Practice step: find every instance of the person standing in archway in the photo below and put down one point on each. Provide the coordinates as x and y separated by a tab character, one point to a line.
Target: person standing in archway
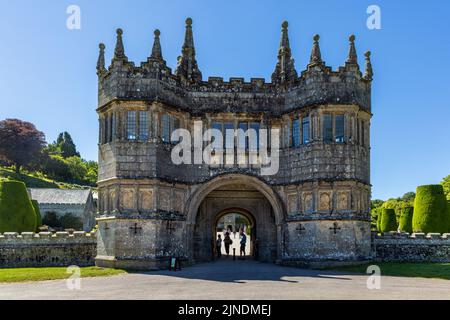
228	242
219	246
243	245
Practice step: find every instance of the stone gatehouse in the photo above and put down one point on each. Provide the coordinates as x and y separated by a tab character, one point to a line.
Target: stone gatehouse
315	209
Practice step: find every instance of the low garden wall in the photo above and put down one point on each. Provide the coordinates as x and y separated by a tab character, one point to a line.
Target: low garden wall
416	247
46	249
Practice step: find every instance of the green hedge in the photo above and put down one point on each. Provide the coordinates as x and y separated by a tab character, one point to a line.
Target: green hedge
405	219
38	214
380	214
16	210
388	220
430	210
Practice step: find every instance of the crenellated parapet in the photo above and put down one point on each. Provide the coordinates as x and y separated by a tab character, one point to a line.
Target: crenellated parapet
186	89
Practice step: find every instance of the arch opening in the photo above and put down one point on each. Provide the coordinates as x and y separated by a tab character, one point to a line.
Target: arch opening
244	195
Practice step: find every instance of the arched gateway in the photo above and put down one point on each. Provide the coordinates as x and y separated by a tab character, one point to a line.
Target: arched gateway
312	208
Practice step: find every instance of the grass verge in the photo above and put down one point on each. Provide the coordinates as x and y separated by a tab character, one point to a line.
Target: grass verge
414	270
43	274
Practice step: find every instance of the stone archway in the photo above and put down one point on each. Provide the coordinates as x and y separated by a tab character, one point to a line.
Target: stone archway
248	193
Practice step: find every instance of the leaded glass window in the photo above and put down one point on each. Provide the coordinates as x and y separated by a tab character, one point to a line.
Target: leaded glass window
131	125
305	130
143	125
327	128
254	145
296	133
339	128
217	144
165	128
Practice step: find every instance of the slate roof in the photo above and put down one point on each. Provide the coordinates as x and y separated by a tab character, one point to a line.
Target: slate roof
60	196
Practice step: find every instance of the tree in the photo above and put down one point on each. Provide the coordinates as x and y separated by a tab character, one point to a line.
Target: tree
409	197
446	185
20	142
64	146
388	220
430	210
16	210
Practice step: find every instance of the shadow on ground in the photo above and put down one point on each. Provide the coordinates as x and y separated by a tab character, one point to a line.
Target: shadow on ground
243	271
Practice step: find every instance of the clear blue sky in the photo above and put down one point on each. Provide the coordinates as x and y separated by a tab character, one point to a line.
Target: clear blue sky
48	72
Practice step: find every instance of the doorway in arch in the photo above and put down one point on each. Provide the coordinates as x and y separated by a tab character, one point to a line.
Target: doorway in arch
251	210
236	230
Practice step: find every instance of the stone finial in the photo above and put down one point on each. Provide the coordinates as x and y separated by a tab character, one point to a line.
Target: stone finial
101	59
368	74
285	68
352	55
119	51
156	50
316	56
187	68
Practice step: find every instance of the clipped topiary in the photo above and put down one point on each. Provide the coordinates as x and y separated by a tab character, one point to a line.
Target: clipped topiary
405	221
430	210
38	214
379	219
16	210
388	220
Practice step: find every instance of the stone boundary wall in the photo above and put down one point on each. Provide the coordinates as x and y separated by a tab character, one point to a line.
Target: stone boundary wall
46	249
416	247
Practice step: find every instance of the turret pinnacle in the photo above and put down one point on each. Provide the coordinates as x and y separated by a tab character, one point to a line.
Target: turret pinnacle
316	57
352	56
156	50
101	59
119	51
285	68
187	68
368	74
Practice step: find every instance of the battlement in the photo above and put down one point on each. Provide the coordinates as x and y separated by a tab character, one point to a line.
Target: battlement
416	247
185	88
46	249
77	236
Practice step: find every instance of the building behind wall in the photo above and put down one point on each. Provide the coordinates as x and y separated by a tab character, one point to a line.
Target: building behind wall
315	209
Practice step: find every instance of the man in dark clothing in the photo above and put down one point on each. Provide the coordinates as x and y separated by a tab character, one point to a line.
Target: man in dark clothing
243	244
219	246
228	242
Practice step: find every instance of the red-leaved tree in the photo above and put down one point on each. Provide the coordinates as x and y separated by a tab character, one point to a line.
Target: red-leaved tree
20	142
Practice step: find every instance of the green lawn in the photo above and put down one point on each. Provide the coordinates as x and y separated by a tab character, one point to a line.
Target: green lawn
416	270
42	274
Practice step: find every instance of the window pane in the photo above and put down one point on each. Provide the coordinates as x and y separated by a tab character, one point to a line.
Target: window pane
229	139
296	133
254	145
305	128
176	126
131	125
340	128
114	124
216	144
165	128
242	137
143	125
327	128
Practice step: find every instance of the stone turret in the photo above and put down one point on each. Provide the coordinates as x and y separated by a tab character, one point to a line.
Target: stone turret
352	55
187	68
119	51
368	75
101	60
285	72
316	56
156	50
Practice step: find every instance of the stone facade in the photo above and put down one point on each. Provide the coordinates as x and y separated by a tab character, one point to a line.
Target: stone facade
417	247
47	250
315	209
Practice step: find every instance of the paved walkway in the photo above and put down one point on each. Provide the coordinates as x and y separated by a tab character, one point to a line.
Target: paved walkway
239	280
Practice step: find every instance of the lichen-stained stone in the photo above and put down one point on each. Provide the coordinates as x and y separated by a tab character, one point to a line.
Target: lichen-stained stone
152	209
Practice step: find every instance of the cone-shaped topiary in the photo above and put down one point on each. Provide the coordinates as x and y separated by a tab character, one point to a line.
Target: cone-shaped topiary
16	210
38	214
388	220
430	210
405	221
